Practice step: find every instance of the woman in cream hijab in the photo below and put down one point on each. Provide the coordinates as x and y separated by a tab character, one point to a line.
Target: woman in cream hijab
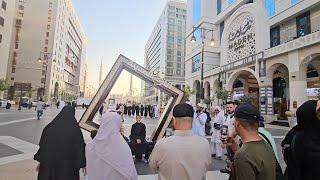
108	155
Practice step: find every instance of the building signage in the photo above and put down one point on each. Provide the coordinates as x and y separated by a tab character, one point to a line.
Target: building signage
241	38
196	63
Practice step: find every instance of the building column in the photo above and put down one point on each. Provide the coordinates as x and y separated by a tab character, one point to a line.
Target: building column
297	82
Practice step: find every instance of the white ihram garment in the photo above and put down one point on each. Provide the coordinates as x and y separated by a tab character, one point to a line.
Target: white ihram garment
216	135
108	155
198	124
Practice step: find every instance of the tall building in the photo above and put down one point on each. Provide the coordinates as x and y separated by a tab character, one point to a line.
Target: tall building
267	47
100	73
48	49
165	49
6	24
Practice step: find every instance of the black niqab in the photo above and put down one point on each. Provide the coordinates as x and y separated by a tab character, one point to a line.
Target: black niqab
62	148
308	140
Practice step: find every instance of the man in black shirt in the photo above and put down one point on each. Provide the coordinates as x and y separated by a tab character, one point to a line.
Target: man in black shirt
138	138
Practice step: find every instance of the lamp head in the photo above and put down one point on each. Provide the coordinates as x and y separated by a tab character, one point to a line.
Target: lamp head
193	39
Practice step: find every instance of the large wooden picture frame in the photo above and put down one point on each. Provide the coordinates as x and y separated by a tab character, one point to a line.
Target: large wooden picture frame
123	63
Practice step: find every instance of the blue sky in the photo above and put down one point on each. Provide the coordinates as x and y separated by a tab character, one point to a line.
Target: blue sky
116	26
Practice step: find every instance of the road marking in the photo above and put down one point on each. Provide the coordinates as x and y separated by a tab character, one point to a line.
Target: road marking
17	121
27	148
278	137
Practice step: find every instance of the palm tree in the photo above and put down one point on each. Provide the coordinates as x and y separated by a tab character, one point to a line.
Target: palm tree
187	92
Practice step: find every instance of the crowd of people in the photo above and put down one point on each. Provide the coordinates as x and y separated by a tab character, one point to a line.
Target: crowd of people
151	111
239	131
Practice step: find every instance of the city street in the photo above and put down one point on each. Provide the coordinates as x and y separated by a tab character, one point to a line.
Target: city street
20	133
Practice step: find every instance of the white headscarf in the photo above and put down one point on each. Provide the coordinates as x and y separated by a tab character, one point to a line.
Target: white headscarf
110	147
220	116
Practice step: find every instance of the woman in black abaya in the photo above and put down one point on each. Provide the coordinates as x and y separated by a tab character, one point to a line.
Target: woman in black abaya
62	148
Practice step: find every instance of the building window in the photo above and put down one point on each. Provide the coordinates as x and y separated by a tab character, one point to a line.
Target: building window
47	34
20	14
13	70
270	7
275	36
12	78
4	5
49	19
0	38
219	7
21	7
48	26
46	42
1	21
230	1
303	24
16	46
45	49
294	1
196	11
221	29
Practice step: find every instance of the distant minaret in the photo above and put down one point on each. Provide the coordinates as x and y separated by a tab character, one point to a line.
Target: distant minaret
130	89
100	73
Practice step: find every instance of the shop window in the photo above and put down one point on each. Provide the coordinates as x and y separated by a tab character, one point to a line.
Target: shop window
275	36
303	24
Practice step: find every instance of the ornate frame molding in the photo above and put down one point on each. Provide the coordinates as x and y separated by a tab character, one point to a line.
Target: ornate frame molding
123	63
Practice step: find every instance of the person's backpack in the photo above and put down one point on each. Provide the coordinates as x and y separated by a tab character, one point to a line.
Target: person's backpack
279	173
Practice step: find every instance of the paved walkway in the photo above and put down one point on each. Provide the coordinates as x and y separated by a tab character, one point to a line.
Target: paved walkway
26	170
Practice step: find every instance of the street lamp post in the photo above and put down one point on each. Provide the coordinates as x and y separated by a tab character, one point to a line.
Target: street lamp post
45	59
204	31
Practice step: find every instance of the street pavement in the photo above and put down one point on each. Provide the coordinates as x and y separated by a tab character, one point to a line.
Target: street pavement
20	133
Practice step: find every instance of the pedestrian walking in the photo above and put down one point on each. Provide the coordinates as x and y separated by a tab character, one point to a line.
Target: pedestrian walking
199	120
58	104
108	155
301	145
39	108
184	155
255	160
218	118
62	148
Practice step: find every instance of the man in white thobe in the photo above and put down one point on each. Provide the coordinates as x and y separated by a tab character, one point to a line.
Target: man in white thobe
184	155
199	120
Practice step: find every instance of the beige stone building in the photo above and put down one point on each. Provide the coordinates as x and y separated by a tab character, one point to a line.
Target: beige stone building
165	49
48	49
6	19
267	47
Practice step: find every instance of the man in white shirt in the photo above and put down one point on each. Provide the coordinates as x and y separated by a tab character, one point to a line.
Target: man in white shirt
39	108
229	121
184	155
199	120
